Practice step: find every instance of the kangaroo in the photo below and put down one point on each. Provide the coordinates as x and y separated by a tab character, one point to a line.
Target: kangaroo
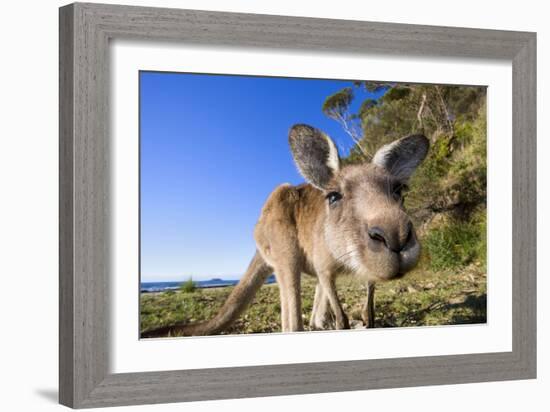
346	219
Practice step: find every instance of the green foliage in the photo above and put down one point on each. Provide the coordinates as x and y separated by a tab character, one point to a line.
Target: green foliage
374	87
396	93
466	180
457	243
188	286
366	105
337	104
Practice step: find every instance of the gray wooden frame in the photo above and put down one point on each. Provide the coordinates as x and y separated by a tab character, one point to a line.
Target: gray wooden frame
85	31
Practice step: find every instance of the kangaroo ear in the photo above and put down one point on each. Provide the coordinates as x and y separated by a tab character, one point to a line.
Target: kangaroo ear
314	153
402	157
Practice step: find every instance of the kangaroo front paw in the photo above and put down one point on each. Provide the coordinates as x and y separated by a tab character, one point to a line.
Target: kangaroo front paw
343	322
346	322
322	321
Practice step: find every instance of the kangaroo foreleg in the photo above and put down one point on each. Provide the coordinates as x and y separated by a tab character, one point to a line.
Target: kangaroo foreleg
321	315
329	289
367	312
281	281
291	299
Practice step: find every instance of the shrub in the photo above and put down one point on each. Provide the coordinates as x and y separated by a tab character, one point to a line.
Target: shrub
188	286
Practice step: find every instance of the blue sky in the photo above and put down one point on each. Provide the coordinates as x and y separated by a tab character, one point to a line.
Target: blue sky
212	149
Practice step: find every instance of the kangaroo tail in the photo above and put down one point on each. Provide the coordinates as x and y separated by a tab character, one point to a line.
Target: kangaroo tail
239	299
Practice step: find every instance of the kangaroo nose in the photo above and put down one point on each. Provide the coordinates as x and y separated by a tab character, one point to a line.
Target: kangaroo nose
392	241
376	233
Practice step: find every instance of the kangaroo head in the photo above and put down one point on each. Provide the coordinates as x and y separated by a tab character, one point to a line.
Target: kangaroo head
365	226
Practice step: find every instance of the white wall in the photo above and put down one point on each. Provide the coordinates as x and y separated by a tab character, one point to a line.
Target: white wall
28	211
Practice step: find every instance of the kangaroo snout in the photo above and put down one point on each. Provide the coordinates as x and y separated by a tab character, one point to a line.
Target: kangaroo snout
391	248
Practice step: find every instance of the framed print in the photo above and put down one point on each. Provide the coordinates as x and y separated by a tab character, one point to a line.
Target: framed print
257	205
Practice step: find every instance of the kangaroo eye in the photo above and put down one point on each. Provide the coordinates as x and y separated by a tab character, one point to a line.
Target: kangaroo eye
333	197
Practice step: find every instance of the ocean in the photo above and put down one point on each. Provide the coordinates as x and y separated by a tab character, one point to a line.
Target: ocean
211	283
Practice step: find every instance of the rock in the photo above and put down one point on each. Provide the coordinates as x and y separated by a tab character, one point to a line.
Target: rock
354	324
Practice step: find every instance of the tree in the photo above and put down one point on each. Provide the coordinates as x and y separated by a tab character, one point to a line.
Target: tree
336	107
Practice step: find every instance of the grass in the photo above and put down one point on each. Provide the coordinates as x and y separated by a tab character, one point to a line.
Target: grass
423	298
454	243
